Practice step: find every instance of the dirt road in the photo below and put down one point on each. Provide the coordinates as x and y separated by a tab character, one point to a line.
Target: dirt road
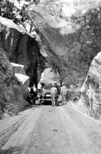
50	130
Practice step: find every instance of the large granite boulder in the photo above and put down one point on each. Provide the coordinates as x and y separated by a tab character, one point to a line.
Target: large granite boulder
70	45
21	48
16	46
91	89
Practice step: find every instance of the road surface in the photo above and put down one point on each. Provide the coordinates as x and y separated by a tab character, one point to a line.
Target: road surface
50	130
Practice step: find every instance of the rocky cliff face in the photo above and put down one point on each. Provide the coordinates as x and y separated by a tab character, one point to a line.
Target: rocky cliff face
22	49
6	91
91	89
69	43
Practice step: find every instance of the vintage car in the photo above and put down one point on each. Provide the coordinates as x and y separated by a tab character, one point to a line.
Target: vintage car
44	97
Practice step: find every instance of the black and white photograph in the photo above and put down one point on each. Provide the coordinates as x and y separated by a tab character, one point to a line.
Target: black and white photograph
50	76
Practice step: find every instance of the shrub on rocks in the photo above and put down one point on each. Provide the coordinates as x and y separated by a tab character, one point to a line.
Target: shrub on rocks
12	109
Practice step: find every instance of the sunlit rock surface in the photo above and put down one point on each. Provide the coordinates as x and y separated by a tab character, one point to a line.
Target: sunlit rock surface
23	82
91	88
68	48
95	68
49	76
18	68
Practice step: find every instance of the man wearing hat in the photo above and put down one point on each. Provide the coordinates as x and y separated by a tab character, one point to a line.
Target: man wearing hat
53	92
63	93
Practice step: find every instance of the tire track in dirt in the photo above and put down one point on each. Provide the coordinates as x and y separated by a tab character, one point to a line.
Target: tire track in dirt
10	125
77	135
7	122
50	130
49	135
6	133
18	139
92	128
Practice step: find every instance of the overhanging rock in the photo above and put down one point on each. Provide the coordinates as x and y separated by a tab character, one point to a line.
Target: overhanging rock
65	50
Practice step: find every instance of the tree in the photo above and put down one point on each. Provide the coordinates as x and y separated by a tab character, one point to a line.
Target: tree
90	27
16	11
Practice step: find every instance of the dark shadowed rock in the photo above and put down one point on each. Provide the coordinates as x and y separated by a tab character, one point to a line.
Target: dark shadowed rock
11	93
6	75
23	49
19	48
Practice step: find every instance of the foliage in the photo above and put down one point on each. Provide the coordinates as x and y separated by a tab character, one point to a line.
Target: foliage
90	30
16	12
10	11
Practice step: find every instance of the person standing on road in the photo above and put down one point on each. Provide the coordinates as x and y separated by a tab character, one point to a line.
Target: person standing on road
53	92
63	93
34	88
